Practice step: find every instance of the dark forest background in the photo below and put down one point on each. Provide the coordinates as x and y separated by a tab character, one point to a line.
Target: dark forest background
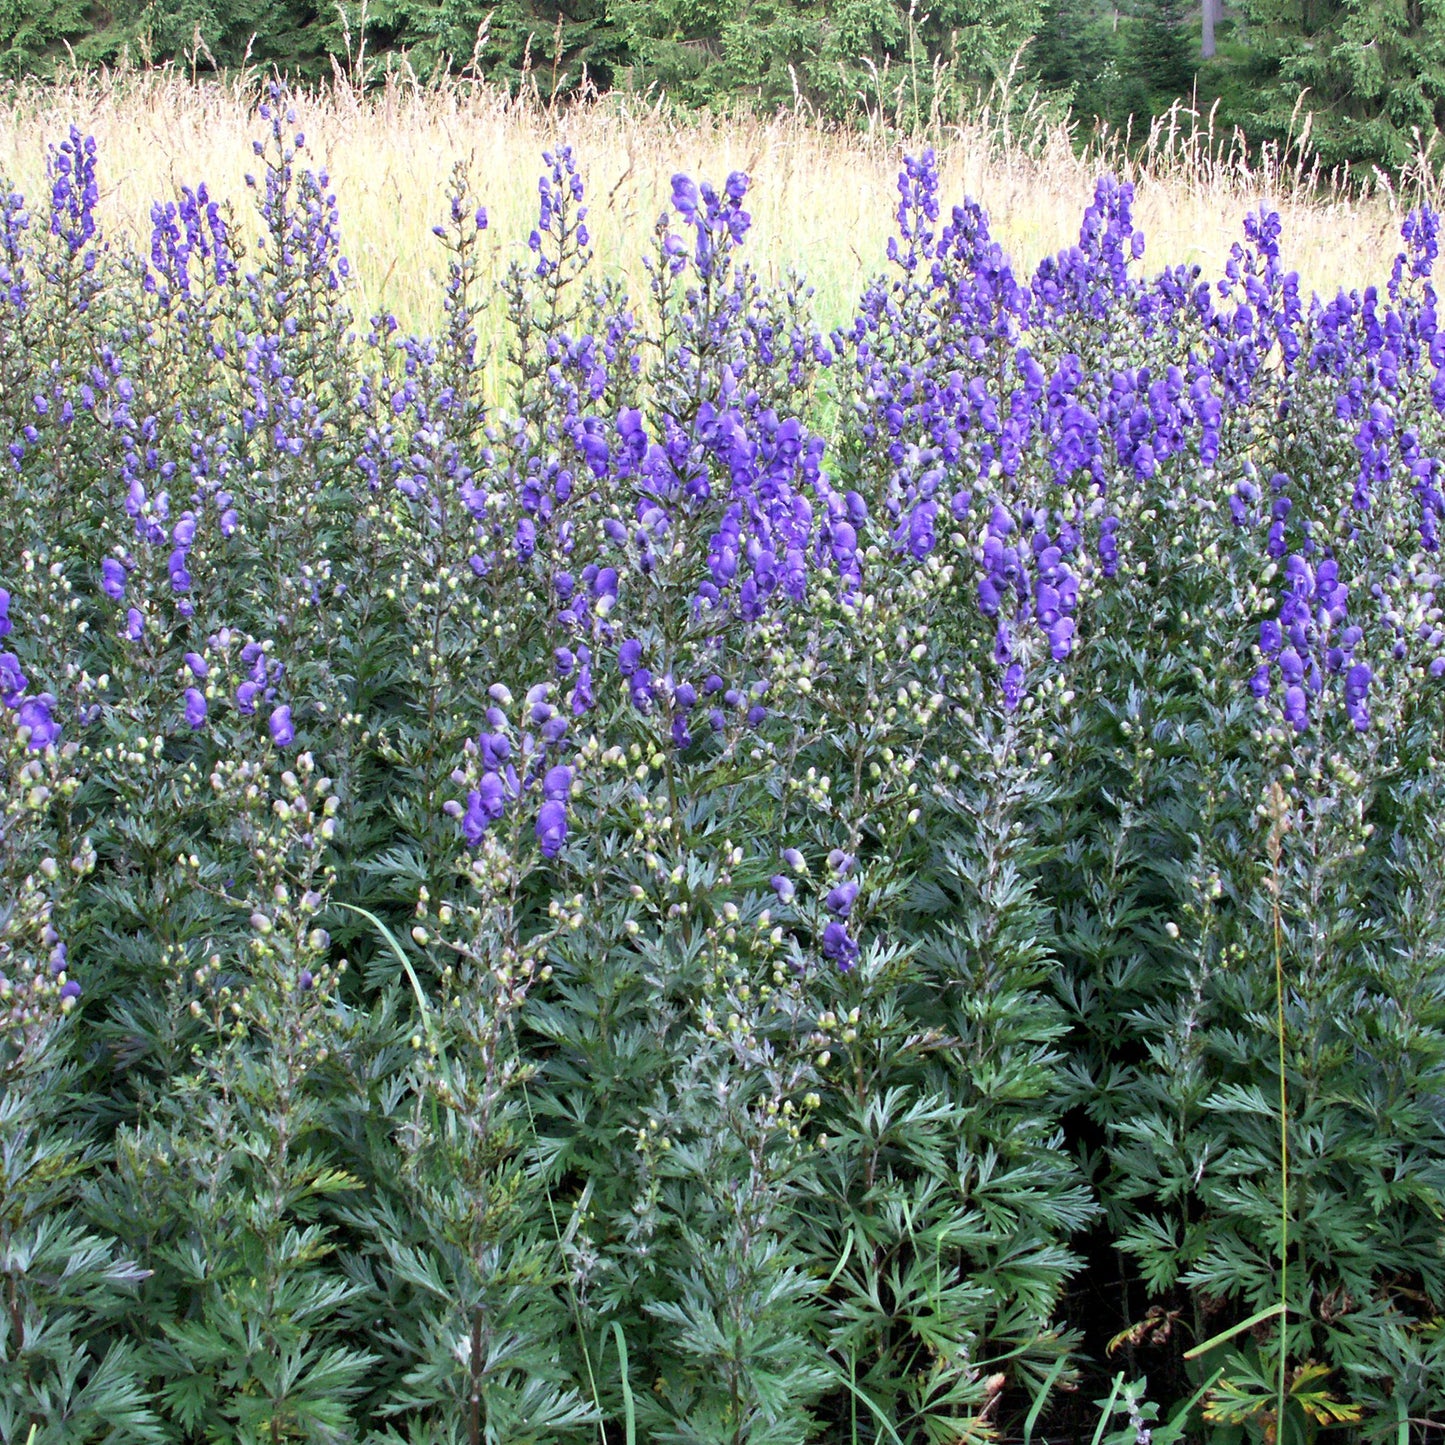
1373	71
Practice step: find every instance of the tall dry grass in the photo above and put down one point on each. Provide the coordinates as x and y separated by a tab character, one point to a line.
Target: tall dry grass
822	200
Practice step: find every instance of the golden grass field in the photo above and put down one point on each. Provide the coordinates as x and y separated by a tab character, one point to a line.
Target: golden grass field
822	200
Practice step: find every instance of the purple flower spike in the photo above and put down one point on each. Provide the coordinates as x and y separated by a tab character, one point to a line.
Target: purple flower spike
557	785
195	707
283	734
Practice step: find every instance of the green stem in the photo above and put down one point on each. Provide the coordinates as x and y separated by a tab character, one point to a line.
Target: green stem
1276	840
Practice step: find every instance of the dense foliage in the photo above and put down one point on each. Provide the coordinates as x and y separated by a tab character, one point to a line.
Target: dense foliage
1372	71
772	888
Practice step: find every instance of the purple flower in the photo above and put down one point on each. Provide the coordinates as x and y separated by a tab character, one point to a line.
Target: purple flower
12	681
784	887
684	196
1296	707
198	666
1061	637
557	785
246	696
135	625
839	945
629	657
840	901
552	827
4	613
69	990
492	796
34	713
1013	686
283	734
795	860
112	579
495	749
1357	688
195	707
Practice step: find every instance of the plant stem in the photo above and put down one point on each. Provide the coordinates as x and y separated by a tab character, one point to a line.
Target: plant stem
1276	836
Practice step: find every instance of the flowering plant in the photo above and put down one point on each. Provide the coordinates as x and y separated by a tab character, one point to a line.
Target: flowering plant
768	885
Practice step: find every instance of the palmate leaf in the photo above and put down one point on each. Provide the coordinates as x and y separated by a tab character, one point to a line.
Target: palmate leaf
1244	1395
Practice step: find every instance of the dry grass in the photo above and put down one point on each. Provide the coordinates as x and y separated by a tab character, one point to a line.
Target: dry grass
822	200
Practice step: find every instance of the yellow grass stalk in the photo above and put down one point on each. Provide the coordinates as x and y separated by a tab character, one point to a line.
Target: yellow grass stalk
822	200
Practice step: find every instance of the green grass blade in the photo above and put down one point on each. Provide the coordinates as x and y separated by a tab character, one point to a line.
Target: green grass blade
1174	1430
1037	1409
1108	1408
396	948
1229	1334
629	1411
878	1414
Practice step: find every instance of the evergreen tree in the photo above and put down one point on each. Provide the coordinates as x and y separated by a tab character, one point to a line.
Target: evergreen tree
1161	55
1374	71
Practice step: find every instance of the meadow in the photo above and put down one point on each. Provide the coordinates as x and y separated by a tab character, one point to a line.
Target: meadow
596	844
821	203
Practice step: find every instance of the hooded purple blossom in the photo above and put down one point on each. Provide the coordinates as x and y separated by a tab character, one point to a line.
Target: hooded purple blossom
195	707
552	827
283	733
839	945
112	579
35	713
13	681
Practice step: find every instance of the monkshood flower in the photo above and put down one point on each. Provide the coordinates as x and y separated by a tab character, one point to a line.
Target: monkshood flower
1089	279
718	221
112	579
561	218
36	714
283	732
917	210
552	827
195	707
12	680
192	228
5	624
74	195
486	804
1310	641
840	946
14	222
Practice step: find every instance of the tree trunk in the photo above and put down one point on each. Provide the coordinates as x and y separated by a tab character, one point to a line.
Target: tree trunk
1206	48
